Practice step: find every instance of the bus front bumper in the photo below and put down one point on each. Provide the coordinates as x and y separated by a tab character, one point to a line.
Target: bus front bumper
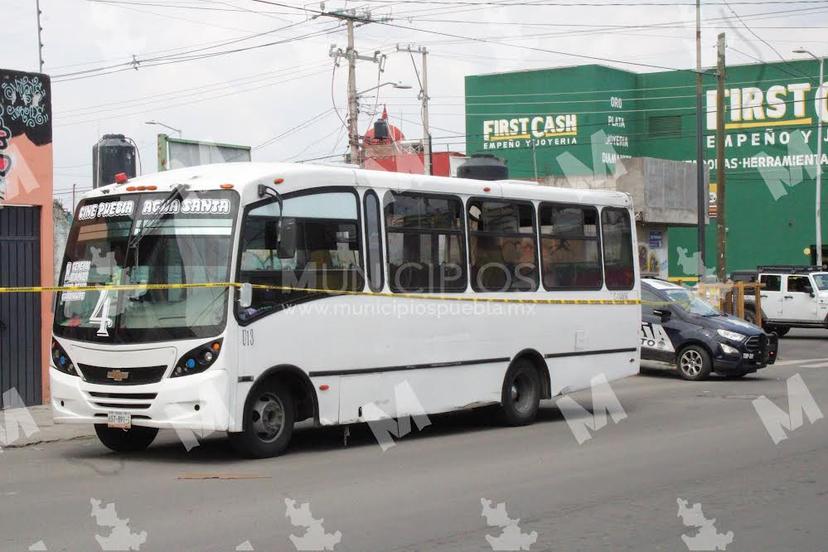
196	402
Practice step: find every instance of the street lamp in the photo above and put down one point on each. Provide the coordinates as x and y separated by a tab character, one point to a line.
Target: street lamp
397	85
821	108
165	126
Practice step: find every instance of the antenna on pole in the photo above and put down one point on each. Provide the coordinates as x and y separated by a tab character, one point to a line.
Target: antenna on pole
39	36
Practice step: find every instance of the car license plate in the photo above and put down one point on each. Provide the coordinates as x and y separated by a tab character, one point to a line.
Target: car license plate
119	420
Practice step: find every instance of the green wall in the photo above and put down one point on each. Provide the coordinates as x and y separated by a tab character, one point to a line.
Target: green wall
770	212
582	92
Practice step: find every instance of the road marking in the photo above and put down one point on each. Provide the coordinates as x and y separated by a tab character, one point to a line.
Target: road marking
820	365
800	361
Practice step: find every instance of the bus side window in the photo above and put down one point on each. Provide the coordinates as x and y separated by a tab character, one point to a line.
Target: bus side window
373	238
426	242
570	248
318	249
502	246
619	269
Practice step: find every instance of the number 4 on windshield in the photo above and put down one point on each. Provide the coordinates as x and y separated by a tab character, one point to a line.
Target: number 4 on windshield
100	314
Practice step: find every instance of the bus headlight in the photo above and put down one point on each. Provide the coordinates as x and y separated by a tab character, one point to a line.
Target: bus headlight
62	361
198	359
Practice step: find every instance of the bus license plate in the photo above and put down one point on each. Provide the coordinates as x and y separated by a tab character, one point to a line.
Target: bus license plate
119	420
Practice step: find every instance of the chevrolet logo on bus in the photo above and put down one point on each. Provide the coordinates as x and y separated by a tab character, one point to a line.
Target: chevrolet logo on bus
117	375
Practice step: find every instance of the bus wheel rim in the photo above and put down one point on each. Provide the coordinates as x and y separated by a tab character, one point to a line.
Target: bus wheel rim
691	363
520	393
268	417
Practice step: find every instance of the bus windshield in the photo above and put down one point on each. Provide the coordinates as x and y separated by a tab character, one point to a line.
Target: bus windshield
141	239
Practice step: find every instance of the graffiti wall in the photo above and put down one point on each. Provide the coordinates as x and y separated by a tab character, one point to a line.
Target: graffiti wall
26	184
25	138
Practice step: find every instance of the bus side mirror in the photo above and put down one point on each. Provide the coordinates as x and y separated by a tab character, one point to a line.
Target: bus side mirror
287	238
245	295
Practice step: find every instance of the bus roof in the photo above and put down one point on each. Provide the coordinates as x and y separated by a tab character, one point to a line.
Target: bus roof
245	178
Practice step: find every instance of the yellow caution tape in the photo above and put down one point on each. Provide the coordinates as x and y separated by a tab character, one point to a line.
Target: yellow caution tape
146	287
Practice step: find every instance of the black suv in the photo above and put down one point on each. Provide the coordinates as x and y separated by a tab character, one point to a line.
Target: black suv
696	339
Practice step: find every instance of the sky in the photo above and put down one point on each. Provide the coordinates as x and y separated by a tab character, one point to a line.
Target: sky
258	73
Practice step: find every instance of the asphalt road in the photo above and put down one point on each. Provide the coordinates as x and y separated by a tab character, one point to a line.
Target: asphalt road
700	442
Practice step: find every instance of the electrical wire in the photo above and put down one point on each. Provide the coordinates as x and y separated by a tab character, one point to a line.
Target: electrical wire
304	124
186	56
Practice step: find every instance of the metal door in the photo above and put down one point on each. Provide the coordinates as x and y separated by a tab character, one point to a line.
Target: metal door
20	353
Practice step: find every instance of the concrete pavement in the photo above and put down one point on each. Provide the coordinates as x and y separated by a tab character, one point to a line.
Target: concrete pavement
701	442
47	431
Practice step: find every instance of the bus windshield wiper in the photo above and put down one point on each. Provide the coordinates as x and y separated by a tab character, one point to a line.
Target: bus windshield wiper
150	224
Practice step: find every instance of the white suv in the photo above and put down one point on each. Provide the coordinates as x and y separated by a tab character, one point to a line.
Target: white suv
793	297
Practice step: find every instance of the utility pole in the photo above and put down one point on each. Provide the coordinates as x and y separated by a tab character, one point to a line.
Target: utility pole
701	192
353	107
534	161
39	36
721	226
818	213
73	196
350	53
427	165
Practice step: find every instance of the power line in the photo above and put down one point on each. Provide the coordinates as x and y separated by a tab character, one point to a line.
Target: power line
613	4
185	56
300	126
191	102
751	31
182	93
488	41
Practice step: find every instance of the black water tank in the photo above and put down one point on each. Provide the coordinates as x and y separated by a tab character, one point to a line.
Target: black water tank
112	154
381	130
483	166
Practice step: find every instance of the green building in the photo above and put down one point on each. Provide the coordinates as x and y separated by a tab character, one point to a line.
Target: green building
576	122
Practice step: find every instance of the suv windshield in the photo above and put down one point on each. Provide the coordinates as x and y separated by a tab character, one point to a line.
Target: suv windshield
188	243
687	301
821	281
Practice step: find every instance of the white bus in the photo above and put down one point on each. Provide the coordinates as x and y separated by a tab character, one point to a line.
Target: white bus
254	296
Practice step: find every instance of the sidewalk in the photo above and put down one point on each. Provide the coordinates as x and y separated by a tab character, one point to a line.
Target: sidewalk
24	434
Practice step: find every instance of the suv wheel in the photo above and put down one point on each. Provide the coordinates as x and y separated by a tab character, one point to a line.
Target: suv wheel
781	330
694	363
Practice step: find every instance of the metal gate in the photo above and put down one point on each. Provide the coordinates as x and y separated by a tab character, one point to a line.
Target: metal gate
20	352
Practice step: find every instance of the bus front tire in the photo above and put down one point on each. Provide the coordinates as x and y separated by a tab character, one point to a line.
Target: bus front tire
134	439
269	415
521	394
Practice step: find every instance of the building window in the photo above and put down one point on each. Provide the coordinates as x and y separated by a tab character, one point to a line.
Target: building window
502	246
570	252
373	238
664	126
619	269
425	242
315	246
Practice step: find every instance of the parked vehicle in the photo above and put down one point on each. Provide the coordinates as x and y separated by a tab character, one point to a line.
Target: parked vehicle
691	336
793	297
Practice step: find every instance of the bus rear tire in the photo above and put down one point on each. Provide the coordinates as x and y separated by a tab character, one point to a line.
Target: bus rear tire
269	415
134	439
521	394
